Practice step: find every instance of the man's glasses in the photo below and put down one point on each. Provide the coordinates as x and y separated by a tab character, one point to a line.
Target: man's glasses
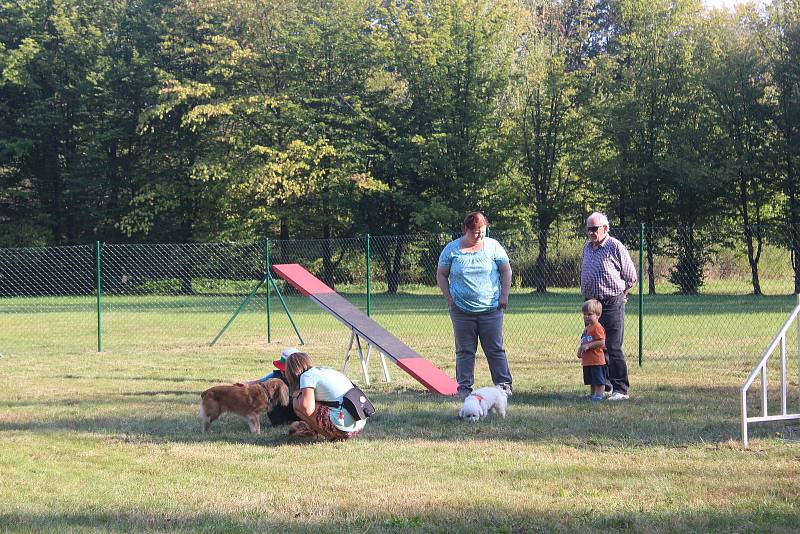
593	228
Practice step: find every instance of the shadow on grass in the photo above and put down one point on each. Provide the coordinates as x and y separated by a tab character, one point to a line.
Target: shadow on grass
465	520
144	378
663	415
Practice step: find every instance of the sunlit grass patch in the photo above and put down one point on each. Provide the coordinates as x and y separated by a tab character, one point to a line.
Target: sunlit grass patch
111	441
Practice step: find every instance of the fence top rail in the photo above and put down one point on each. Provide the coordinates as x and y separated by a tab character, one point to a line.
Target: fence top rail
772	346
85	246
441	235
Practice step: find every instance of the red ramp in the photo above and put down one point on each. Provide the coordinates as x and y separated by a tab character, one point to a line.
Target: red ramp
406	359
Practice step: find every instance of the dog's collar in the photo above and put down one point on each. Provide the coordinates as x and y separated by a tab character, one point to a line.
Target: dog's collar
476	396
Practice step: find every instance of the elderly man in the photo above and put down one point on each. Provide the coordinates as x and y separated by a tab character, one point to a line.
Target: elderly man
606	275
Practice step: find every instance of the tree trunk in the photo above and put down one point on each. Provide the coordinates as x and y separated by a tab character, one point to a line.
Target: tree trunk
650	241
651	277
393	277
752	257
185	255
540	268
327	259
794	218
185	268
113	208
49	185
187	273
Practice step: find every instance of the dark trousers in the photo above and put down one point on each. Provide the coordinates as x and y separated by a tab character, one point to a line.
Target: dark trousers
613	321
468	328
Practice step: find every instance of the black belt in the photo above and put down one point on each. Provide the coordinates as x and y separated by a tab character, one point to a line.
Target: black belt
330	404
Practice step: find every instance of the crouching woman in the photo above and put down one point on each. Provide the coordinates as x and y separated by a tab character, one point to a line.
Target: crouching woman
317	394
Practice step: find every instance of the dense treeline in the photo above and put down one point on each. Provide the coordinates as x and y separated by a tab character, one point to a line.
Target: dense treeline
198	120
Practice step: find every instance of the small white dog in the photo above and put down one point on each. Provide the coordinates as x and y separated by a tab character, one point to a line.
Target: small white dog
482	401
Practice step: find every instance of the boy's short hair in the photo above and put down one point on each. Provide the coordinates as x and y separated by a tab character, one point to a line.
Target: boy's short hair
593	306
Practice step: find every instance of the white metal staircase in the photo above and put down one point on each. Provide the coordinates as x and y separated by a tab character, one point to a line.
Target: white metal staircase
761	368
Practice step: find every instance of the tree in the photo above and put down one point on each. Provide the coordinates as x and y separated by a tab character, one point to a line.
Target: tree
549	101
647	72
781	35
734	75
437	134
61	107
264	102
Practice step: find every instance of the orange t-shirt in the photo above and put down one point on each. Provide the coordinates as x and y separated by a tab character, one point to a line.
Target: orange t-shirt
593	356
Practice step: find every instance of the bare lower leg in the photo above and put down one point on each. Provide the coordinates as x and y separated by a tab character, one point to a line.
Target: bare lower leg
598	389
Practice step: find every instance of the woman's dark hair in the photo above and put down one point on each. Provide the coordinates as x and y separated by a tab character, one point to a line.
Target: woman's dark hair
474	220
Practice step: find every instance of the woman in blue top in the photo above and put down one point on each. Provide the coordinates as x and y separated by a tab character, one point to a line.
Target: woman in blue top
474	275
310	389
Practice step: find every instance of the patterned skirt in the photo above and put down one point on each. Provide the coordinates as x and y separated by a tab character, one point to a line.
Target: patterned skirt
322	418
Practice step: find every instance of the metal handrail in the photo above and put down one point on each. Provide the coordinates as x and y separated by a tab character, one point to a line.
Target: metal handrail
761	368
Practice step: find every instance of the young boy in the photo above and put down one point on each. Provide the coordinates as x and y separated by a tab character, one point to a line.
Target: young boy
279	414
280	368
590	352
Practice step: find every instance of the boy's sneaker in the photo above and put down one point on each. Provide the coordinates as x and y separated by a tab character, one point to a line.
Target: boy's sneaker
596	398
617	396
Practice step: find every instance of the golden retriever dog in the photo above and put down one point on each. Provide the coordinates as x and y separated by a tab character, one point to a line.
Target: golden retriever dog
247	401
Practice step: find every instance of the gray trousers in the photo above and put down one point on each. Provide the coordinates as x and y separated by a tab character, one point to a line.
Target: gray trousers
468	328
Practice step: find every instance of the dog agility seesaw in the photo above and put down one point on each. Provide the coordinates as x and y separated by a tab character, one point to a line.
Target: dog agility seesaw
362	327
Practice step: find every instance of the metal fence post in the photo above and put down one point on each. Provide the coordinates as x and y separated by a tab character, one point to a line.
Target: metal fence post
266	271
99	291
641	292
369	281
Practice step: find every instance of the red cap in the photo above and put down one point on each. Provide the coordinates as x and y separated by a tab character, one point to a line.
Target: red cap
281	362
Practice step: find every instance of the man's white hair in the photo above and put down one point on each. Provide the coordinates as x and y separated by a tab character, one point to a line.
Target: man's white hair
601	217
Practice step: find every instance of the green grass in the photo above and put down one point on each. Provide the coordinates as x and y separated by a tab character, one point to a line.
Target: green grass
111	442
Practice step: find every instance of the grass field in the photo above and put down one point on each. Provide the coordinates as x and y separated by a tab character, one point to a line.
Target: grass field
111	442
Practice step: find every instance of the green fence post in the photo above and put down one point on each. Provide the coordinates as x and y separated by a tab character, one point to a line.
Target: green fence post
369	282
269	324
239	309
285	308
99	291
641	292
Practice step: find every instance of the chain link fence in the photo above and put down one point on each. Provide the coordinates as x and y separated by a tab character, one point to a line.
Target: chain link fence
708	303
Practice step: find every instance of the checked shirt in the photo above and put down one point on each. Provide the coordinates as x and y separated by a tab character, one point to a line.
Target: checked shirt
607	271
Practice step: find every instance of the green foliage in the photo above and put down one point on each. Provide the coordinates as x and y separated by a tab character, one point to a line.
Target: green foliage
214	119
547	115
452	61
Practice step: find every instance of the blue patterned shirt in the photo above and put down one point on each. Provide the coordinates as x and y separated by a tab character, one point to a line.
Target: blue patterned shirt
474	276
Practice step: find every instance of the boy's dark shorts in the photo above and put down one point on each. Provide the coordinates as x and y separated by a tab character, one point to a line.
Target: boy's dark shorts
595	374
